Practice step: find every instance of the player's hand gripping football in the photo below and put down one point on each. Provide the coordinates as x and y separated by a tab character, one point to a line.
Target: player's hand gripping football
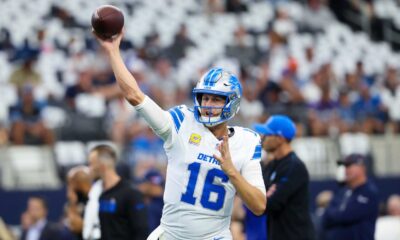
112	44
225	159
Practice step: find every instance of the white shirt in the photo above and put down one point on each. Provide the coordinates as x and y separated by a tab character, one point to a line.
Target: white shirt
91	221
35	230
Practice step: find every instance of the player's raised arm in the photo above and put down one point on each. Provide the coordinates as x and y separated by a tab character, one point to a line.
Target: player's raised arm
156	117
125	80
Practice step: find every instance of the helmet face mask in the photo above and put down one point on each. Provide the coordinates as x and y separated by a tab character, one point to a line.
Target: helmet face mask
221	83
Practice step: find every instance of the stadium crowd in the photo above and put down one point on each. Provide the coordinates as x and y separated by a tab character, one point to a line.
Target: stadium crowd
292	57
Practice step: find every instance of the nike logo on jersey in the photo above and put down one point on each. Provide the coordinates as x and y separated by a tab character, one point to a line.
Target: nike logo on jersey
218	238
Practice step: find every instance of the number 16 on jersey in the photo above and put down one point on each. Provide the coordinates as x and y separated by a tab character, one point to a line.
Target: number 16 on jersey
209	187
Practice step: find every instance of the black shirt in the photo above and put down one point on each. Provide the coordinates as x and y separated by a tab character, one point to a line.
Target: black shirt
287	210
122	213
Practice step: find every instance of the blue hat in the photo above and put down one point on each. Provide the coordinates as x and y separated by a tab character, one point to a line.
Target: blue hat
153	176
277	125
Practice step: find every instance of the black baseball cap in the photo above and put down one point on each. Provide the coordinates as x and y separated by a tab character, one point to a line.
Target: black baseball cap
354	158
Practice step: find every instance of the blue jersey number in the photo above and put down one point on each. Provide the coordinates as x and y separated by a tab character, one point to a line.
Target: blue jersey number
209	187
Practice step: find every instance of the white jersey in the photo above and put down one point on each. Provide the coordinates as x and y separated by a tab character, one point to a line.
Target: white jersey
91	221
198	198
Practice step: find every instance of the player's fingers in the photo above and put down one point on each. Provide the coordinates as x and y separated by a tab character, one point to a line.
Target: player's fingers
95	35
120	35
225	145
219	159
225	142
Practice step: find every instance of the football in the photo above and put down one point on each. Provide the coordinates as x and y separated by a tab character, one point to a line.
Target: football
107	21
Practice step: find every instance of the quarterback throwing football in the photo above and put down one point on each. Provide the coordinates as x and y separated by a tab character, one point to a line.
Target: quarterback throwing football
208	161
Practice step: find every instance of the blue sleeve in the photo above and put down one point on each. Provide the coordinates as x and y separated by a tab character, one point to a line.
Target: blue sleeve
178	116
257	153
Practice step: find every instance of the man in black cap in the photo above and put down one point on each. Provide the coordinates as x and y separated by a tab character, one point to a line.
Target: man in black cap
286	180
353	210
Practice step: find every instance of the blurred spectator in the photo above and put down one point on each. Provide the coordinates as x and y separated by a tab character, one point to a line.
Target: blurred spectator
120	206
120	117
152	187
26	221
317	16
364	78
322	202
388	227
4	138
369	113
35	222
393	205
277	50
104	83
27	124
5	234
145	149
163	83
83	85
65	17
322	115
5	41
87	116
235	6
390	95
251	108
270	96
286	180
312	90
345	117
180	45
25	74
242	47
353	210
79	183
214	6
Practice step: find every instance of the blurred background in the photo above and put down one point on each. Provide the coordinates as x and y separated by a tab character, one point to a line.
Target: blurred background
332	66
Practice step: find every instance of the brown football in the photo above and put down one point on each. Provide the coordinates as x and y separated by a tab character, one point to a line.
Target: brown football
107	21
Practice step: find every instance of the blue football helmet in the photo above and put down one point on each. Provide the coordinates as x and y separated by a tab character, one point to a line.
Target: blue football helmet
222	83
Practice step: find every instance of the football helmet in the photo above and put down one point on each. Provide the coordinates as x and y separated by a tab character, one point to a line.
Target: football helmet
217	81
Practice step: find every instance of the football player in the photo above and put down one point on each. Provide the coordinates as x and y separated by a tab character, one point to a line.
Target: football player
208	161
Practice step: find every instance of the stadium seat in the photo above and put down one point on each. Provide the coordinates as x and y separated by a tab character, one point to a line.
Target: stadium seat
354	143
386	151
318	154
9	97
70	153
90	105
28	168
53	117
